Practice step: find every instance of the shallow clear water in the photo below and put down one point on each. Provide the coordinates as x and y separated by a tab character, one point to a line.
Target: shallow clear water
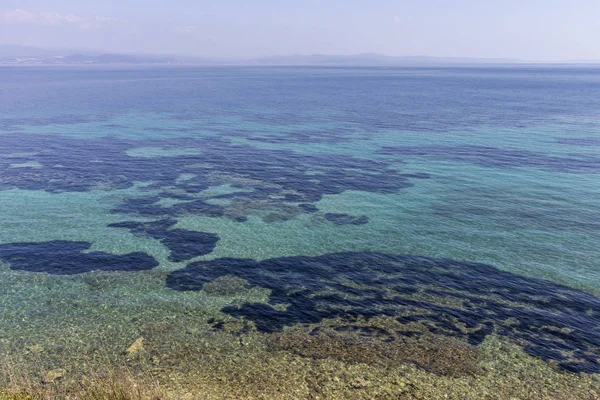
161	180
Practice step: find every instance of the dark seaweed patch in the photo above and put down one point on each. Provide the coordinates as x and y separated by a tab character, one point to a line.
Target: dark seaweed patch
63	257
147	207
309	208
499	158
345	219
196	207
275	177
184	245
141	206
456	299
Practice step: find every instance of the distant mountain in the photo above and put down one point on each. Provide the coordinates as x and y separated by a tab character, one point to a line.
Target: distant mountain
115	59
12	54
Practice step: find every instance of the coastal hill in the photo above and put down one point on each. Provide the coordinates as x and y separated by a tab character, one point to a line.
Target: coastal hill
17	55
24	55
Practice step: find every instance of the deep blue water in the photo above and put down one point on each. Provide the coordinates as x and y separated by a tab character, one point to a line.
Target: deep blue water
320	185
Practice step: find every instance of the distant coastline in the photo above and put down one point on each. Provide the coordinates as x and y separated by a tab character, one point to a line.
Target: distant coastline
22	55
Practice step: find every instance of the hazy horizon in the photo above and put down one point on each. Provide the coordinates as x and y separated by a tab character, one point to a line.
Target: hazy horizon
550	30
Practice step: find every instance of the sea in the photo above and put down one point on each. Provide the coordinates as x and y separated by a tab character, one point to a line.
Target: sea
211	206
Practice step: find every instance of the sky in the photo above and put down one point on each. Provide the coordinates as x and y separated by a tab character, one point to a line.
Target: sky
537	30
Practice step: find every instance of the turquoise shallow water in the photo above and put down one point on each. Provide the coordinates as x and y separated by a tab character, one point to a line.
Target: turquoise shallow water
156	169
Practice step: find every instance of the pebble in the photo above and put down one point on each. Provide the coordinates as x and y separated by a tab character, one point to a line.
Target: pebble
360	383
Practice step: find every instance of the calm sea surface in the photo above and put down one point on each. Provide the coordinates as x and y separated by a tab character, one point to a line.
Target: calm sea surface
466	200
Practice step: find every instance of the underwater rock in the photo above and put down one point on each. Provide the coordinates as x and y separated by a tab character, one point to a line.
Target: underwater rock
360	383
63	257
456	299
345	219
184	245
54	375
136	346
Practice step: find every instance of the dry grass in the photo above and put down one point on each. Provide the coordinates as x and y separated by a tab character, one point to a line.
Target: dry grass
109	384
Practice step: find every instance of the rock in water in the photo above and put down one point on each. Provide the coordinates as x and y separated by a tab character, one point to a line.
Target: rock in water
54	375
136	346
360	383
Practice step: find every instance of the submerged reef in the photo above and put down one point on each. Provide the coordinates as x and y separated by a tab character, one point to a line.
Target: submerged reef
148	207
63	257
184	245
457	299
383	343
345	219
272	178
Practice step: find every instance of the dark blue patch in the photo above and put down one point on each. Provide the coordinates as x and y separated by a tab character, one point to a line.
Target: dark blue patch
141	206
309	208
555	321
345	219
62	257
417	175
184	245
196	207
275	177
499	158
